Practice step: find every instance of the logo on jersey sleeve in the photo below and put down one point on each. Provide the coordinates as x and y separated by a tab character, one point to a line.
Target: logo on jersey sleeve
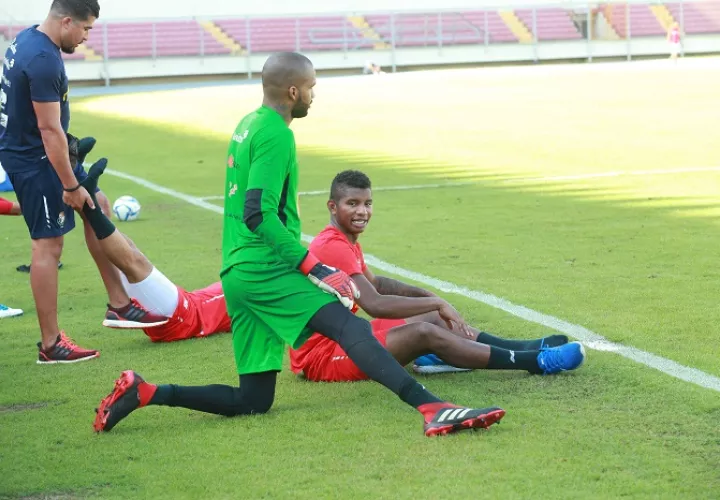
239	138
231	161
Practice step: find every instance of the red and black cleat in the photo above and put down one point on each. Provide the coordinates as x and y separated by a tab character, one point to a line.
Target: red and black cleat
130	393
445	418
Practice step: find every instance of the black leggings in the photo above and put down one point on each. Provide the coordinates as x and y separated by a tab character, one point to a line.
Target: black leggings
257	391
255	395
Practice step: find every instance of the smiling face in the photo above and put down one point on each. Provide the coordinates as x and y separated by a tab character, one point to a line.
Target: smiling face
352	210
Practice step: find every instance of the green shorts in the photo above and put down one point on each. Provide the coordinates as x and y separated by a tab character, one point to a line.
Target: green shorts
270	307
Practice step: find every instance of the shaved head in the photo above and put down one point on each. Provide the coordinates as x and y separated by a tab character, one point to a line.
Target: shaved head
288	79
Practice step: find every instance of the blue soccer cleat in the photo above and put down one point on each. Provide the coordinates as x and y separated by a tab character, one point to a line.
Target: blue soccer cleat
430	364
561	359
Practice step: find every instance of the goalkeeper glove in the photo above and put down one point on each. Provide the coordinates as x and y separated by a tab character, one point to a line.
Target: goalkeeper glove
330	280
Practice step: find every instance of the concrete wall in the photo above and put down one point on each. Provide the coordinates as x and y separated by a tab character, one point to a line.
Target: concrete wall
243	66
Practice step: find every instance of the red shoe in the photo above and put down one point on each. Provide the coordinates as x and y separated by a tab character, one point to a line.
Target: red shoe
130	393
446	418
64	351
132	315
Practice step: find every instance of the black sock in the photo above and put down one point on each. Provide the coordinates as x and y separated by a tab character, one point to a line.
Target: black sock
100	224
255	395
355	337
522	345
505	359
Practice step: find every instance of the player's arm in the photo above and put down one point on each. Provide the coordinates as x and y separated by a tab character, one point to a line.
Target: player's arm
267	176
266	180
45	79
389	286
393	306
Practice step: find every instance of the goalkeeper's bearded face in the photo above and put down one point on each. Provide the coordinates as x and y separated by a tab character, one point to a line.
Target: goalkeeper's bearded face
352	212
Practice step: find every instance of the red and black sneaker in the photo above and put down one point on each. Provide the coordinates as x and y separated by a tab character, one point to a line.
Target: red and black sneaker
130	393
132	315
446	418
64	351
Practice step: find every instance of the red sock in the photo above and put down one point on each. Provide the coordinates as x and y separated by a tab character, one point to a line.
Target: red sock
5	206
430	409
146	392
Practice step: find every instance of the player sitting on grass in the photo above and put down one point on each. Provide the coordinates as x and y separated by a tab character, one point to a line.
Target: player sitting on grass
164	311
414	321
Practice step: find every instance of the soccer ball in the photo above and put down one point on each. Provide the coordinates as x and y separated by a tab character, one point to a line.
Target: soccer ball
126	208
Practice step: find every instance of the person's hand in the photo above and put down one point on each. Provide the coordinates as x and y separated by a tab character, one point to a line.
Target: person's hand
330	280
453	319
77	199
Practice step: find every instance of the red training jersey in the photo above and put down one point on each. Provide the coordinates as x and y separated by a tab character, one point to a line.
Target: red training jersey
332	248
198	314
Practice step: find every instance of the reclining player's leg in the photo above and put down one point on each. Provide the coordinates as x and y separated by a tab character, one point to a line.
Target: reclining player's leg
79	149
144	280
408	342
489	339
432	363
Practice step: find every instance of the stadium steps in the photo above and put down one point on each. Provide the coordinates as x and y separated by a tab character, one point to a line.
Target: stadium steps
368	32
222	37
604	29
663	15
513	22
88	53
612	16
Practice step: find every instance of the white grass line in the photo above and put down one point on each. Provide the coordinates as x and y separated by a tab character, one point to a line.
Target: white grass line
551	178
589	338
599	175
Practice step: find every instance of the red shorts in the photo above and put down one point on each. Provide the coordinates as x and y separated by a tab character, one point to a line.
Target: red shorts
340	368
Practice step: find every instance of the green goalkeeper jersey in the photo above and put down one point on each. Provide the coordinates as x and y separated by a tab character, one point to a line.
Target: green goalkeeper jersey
262	224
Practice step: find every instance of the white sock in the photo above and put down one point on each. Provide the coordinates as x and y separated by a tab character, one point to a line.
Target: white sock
156	293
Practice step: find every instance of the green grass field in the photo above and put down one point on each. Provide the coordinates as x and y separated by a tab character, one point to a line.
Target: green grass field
630	256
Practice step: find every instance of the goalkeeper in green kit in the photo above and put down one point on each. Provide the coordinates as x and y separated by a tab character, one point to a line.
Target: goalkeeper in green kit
277	293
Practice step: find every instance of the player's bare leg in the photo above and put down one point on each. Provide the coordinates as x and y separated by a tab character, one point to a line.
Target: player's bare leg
409	341
44	284
489	339
117	295
54	346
